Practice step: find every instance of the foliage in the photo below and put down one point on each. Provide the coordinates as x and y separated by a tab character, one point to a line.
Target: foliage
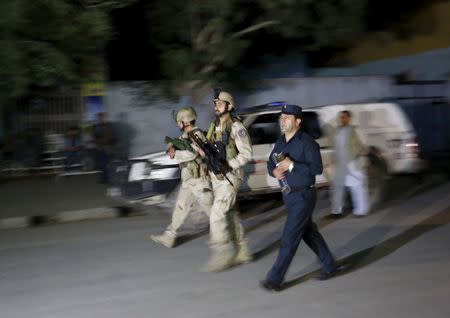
48	43
205	40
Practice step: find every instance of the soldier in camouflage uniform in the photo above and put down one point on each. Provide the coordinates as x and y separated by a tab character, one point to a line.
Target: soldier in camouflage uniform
195	181
228	245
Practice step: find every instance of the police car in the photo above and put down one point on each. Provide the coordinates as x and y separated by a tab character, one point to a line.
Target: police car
383	127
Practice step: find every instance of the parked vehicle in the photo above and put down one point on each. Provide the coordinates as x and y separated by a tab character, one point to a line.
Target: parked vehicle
383	127
147	179
429	117
392	143
427	105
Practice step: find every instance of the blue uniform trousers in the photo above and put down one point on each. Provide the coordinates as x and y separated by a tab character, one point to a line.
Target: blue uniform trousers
298	226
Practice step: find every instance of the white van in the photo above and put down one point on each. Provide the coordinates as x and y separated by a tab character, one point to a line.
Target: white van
383	127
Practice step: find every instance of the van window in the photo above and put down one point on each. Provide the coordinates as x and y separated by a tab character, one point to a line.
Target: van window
311	125
265	129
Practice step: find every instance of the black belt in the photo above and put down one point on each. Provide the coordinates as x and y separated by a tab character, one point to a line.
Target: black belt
301	189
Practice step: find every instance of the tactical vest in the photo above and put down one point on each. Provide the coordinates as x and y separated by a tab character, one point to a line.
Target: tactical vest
196	168
216	135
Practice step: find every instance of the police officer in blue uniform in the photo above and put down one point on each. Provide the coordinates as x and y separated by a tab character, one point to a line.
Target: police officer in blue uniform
295	161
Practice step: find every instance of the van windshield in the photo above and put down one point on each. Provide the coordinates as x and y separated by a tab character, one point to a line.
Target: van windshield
265	128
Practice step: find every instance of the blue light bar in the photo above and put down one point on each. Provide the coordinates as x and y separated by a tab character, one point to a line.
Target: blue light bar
276	104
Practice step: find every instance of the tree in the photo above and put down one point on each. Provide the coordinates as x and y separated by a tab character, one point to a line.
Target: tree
50	43
205	40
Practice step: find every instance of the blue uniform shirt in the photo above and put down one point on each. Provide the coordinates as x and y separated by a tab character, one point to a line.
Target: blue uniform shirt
304	151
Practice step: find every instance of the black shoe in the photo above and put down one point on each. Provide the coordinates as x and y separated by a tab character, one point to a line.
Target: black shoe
328	275
333	216
270	286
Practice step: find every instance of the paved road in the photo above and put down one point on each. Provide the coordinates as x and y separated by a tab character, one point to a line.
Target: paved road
49	195
108	268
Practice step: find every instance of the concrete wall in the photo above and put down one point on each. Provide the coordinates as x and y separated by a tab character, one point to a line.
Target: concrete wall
310	91
144	115
431	65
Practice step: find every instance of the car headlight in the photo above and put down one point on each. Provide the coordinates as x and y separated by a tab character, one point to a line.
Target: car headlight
164	172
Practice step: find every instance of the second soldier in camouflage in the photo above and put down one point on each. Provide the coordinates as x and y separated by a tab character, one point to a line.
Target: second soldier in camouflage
195	181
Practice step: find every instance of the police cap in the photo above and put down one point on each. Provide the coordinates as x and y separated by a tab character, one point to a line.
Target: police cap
291	110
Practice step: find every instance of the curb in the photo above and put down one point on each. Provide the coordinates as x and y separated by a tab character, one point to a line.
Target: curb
62	217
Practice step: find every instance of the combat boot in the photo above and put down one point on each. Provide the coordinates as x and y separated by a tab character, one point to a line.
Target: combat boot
243	255
219	262
164	239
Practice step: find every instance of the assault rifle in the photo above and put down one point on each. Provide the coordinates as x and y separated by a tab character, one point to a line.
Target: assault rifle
215	156
179	144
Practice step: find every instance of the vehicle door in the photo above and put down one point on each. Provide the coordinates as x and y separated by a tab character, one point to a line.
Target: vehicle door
264	131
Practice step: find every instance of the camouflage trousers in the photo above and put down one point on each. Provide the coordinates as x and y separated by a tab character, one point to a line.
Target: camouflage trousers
225	225
192	191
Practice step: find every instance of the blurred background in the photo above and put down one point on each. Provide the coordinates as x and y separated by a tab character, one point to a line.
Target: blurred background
89	87
63	62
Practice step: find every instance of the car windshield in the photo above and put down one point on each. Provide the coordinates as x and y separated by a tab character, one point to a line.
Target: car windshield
264	129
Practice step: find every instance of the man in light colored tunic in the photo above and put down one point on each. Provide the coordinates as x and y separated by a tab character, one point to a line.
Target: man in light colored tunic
350	169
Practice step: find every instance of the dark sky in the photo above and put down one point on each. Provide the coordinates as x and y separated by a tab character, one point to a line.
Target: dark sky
130	55
382	14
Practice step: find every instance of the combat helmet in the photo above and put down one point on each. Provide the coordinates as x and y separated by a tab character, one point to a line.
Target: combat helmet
186	114
226	97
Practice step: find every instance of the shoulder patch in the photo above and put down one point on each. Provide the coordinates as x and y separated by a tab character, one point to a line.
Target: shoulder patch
242	132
